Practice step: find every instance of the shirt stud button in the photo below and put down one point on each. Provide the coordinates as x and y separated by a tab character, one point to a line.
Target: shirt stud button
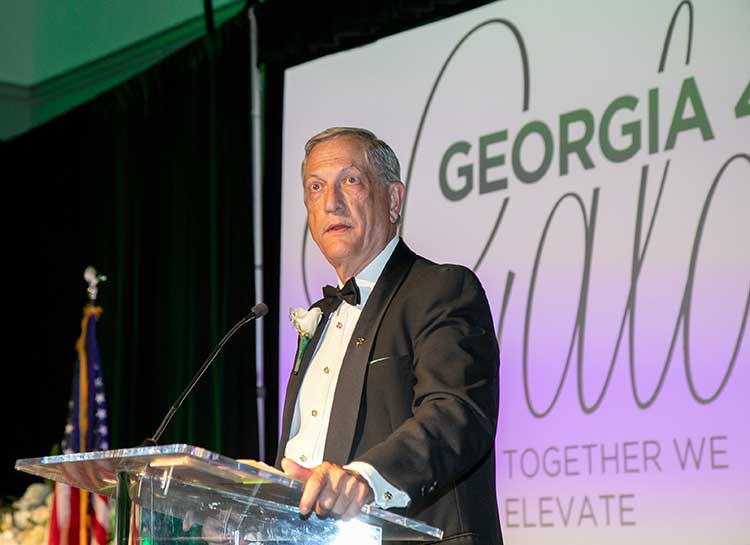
339	325
326	370
387	496
314	412
302	458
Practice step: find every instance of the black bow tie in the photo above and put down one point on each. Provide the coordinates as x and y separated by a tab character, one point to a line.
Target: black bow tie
349	293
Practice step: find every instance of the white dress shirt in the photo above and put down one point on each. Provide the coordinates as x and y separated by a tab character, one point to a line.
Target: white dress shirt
312	411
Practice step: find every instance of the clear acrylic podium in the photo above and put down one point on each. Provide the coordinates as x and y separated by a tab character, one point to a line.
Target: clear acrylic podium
236	502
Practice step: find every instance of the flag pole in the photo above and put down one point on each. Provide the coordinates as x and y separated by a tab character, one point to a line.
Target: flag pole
92	279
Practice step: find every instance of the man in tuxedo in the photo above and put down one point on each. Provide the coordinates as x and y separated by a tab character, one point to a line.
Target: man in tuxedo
394	401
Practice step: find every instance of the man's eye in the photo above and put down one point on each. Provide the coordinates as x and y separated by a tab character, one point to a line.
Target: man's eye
352	180
315	186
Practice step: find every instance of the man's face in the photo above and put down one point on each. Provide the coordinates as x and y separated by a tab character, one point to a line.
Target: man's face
351	215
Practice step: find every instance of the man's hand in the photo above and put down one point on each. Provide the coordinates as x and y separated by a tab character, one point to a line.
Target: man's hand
329	489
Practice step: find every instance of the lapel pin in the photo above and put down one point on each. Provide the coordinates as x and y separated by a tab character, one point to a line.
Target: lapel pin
359	341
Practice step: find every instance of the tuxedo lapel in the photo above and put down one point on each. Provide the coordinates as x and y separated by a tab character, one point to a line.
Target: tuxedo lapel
293	386
346	401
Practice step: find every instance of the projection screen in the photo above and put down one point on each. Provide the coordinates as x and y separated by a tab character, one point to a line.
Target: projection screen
590	161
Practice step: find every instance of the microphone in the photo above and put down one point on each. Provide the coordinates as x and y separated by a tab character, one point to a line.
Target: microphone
257	311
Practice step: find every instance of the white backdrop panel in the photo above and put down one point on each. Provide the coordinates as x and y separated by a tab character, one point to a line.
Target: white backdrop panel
604	204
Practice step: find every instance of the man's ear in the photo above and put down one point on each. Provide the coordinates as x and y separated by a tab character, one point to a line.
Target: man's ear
396	192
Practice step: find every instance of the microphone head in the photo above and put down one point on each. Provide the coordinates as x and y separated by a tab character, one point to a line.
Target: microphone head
259	310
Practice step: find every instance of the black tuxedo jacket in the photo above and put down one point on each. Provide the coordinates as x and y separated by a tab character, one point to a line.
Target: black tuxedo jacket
417	396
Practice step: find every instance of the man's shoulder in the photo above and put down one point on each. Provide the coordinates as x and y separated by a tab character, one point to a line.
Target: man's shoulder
424	264
429	281
427	269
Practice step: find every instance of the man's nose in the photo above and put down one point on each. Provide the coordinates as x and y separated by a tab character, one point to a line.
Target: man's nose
334	198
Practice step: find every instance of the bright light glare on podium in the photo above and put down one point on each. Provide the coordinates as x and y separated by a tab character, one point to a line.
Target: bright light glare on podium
355	531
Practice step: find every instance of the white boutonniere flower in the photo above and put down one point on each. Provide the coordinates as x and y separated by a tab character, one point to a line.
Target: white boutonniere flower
305	322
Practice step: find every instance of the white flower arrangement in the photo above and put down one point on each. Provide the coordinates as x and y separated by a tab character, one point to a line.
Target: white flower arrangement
26	522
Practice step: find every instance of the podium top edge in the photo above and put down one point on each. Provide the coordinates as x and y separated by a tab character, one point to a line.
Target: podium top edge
159	450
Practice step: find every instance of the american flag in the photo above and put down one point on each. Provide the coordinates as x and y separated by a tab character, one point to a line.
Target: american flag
79	517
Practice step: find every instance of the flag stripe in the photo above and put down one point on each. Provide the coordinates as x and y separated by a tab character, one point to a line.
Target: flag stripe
100	520
53	534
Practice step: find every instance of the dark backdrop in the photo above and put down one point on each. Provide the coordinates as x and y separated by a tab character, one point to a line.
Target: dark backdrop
150	183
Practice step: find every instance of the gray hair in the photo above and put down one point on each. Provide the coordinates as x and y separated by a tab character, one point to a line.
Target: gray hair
379	156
